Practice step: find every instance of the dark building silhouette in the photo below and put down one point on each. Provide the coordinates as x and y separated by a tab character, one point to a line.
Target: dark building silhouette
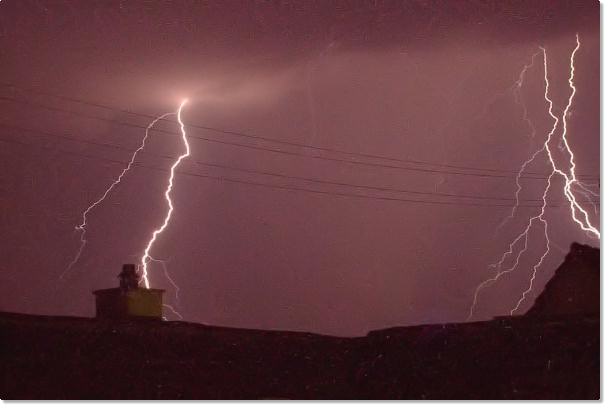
552	352
129	300
574	289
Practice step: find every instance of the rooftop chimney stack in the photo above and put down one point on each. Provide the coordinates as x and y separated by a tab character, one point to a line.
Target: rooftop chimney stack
129	300
128	278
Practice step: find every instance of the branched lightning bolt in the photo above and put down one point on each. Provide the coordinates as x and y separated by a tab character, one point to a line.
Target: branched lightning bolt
170	184
524	235
518	98
570	180
168	277
174	311
525	117
540	217
83	225
588	194
579	215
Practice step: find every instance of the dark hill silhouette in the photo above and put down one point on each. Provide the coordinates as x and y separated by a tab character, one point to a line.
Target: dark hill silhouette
550	353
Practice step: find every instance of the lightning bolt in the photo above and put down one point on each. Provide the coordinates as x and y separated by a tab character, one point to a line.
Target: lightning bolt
525	117
174	311
82	227
570	180
579	215
518	98
168	277
588	194
170	206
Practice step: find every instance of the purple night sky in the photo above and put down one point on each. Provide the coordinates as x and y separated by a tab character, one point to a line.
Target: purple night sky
430	81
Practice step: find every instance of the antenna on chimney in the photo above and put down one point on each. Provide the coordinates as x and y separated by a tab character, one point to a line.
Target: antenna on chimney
128	278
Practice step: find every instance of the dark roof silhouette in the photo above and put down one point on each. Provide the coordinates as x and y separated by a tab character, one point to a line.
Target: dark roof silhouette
552	352
575	287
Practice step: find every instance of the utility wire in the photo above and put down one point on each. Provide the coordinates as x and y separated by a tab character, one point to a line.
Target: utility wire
279	141
278	151
267	173
283	187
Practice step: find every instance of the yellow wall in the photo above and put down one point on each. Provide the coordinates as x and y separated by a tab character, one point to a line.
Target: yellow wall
142	302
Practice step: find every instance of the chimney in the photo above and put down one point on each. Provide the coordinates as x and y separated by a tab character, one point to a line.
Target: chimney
128	278
129	300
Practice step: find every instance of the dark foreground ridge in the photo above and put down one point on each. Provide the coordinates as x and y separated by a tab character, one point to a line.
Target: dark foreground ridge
553	352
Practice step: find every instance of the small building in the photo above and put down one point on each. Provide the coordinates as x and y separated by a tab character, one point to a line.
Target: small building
129	300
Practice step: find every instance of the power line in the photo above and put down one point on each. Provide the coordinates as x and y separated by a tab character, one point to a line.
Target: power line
284	187
299	145
278	151
273	174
